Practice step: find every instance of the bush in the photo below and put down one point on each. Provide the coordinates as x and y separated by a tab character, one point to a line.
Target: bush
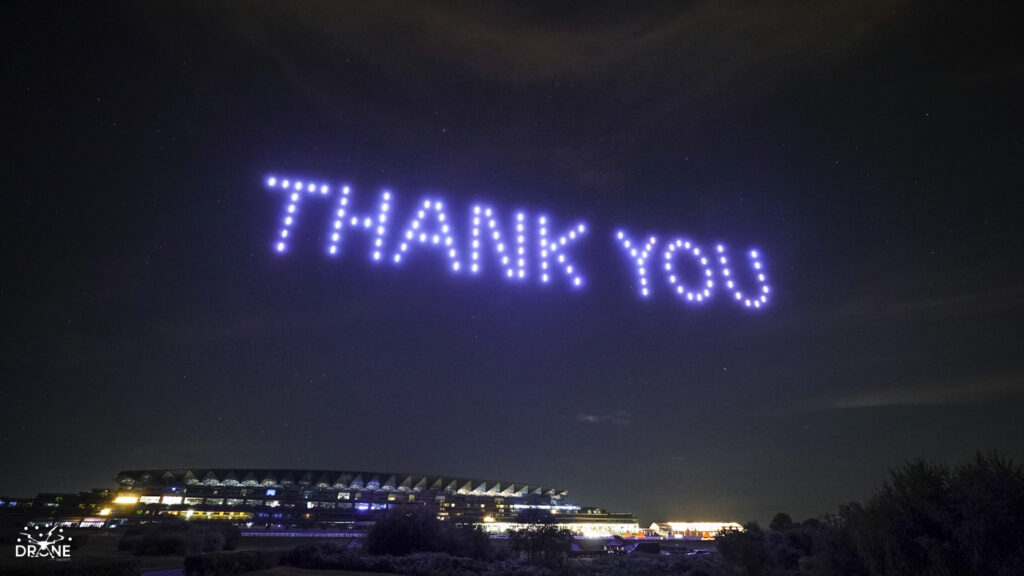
648	565
328	556
231	563
927	519
546	543
335	557
402	532
744	549
77	567
177	538
930	519
516	568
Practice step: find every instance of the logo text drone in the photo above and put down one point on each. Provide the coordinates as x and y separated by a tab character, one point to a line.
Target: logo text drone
42	544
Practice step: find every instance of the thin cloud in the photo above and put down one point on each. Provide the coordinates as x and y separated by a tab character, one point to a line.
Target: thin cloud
1000	299
709	44
944	394
613	419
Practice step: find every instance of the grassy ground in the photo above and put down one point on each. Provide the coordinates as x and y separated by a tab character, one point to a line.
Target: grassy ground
105	546
99	545
290	571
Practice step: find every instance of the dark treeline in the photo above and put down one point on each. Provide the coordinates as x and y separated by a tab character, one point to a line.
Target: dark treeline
403	532
926	519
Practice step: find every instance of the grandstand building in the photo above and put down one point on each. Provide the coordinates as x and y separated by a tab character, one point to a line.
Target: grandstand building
347	500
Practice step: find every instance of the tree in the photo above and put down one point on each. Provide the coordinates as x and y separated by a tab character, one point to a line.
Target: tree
401	532
416	529
745	549
547	544
780	522
929	519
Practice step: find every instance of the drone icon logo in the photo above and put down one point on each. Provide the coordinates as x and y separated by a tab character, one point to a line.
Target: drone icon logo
40	544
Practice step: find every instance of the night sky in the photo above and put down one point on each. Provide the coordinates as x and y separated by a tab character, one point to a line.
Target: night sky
871	150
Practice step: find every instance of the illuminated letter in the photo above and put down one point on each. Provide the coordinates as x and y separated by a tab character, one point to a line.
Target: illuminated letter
441	237
639	256
558	248
702	288
760	296
296	191
485	229
345	219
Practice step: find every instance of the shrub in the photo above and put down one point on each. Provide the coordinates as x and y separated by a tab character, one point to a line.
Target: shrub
546	543
231	563
402	532
77	567
177	538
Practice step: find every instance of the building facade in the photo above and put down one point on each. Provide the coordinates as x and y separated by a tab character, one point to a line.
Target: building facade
348	500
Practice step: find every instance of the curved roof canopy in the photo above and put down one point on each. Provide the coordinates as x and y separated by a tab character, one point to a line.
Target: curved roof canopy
330	480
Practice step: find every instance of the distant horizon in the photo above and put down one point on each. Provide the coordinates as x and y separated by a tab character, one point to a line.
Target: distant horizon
641	520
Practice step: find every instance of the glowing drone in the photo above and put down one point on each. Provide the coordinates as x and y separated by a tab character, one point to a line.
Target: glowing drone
523	248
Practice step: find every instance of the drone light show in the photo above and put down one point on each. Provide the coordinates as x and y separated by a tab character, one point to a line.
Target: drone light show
516	246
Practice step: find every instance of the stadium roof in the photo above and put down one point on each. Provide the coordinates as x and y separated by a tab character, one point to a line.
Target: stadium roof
329	480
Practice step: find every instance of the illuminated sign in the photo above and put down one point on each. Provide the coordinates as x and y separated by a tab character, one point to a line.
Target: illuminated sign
517	246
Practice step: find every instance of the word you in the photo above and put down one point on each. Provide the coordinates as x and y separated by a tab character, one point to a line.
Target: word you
519	247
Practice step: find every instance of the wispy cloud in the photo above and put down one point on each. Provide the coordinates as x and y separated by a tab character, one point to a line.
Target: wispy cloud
990	388
999	299
620	418
710	43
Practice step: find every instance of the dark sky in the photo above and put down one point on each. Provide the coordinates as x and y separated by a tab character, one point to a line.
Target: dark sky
871	150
